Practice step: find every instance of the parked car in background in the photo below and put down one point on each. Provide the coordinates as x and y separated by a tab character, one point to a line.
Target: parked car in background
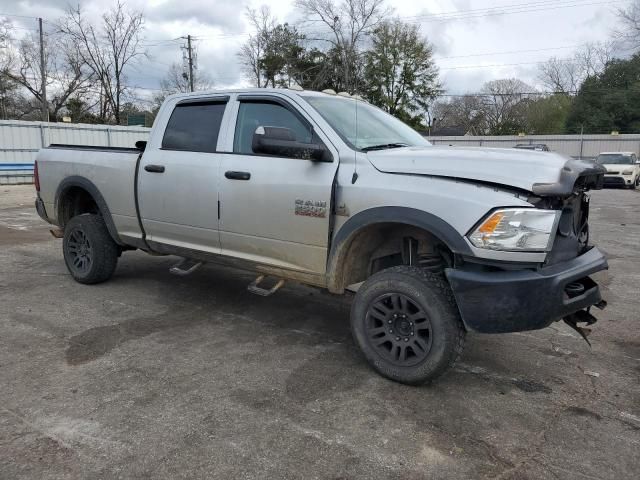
537	147
623	169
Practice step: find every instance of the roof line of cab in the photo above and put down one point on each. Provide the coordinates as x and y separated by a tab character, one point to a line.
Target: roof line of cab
294	90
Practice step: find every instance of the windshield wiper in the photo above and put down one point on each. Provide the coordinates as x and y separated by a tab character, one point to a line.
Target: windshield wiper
384	146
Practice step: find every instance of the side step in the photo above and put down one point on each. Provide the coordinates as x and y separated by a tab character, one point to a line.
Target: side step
185	267
264	292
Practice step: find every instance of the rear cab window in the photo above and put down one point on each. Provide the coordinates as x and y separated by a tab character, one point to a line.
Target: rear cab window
194	126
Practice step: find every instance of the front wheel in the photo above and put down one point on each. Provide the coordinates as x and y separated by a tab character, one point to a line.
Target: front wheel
406	322
90	253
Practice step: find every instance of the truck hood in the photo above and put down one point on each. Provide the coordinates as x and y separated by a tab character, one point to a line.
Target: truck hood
543	173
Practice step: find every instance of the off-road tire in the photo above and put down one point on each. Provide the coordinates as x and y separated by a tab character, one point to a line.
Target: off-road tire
425	290
88	234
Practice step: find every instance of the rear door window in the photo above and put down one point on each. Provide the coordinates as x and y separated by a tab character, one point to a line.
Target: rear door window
194	127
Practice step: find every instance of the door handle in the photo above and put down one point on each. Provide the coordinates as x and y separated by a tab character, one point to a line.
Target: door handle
231	175
154	168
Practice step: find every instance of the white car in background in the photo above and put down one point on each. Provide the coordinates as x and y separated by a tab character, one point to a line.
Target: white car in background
623	168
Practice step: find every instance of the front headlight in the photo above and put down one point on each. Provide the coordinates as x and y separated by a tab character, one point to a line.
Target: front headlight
517	229
628	172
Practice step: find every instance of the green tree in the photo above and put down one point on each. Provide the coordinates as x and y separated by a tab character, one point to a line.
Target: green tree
283	53
400	74
80	111
320	70
609	101
547	115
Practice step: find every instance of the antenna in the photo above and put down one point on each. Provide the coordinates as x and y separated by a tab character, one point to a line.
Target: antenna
355	152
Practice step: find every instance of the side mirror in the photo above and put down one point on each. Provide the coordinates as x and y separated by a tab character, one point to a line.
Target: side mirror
282	142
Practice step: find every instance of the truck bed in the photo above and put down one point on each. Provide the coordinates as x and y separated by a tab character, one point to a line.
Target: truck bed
110	170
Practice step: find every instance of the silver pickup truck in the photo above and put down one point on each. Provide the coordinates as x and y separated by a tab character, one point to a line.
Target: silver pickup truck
330	191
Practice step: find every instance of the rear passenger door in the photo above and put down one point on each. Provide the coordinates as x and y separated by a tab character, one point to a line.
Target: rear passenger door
178	177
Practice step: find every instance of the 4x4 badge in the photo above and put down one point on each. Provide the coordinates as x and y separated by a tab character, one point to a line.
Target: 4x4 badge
311	208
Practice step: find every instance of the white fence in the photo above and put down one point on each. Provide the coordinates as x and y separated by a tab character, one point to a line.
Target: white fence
577	146
20	142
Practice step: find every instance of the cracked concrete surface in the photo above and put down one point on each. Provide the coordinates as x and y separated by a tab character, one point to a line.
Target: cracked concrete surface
156	376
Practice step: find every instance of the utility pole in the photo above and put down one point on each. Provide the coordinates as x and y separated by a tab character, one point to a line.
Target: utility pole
190	55
43	74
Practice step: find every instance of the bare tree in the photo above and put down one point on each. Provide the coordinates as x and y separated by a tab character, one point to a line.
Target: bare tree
177	81
65	72
629	32
466	111
593	57
565	75
560	75
7	85
5	38
504	102
349	22
108	49
253	51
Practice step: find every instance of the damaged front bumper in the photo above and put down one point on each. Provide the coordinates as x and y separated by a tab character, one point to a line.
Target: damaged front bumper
501	301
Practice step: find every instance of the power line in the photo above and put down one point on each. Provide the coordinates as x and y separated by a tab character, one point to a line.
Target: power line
533	50
493	65
18	16
498	11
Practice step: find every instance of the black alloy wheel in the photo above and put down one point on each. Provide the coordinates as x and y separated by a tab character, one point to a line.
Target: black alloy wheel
80	252
399	329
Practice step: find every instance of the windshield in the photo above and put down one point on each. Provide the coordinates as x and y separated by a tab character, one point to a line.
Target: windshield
614	158
375	128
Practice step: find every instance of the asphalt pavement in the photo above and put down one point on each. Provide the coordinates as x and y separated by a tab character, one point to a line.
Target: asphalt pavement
161	377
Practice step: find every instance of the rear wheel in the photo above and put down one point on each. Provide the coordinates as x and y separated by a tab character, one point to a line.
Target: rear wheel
90	253
407	324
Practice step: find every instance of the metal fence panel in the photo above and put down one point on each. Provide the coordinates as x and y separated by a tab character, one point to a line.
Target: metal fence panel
577	146
20	142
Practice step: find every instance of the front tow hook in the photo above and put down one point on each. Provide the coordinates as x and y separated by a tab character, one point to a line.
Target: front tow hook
583	316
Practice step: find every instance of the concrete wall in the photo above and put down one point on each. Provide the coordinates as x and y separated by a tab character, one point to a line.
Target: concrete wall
587	146
20	142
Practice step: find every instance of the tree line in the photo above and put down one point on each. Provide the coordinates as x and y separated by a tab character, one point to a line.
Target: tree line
356	46
388	62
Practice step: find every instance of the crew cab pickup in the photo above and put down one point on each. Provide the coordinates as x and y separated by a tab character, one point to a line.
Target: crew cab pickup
331	191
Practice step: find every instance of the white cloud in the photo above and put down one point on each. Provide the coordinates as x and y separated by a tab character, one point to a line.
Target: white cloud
220	28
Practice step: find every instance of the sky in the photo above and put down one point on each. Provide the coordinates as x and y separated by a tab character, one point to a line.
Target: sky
474	40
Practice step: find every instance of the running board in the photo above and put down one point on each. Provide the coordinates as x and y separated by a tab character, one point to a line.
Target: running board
264	292
185	267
